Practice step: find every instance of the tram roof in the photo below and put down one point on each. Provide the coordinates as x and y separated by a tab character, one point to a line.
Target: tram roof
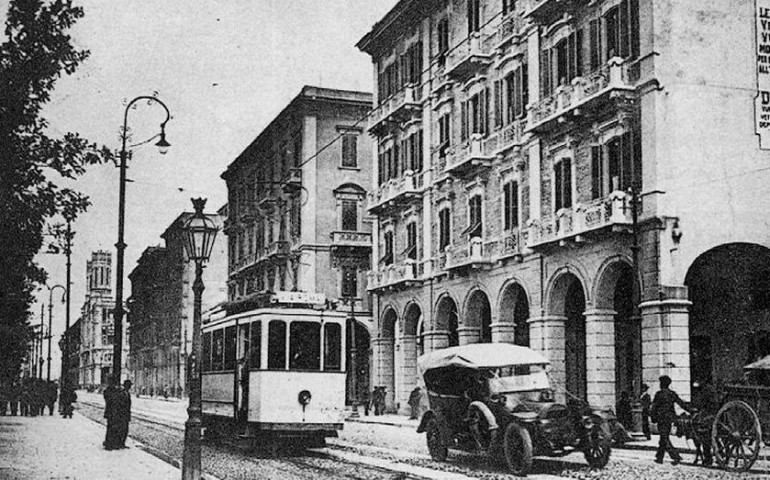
481	355
278	314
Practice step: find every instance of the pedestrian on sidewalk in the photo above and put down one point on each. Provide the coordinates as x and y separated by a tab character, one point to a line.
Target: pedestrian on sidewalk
645	402
51	396
14	397
414	403
366	401
122	413
66	398
663	413
4	394
110	393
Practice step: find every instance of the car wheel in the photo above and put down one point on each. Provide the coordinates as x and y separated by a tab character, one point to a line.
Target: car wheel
436	445
598	447
517	445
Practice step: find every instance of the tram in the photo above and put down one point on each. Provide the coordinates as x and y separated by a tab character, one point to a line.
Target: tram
276	374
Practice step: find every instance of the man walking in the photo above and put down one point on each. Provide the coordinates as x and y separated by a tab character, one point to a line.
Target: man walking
663	413
645	402
122	414
110	393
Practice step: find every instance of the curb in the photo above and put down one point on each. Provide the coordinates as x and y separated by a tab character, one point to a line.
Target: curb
386	422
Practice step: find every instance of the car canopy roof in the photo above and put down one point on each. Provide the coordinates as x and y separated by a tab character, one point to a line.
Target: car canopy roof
481	355
761	364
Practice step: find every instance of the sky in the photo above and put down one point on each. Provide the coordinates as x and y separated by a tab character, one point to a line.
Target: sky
224	68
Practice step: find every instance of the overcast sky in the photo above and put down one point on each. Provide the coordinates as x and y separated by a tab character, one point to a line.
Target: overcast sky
225	68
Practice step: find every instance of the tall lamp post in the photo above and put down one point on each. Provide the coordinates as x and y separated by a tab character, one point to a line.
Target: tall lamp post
50	314
64	242
353	354
201	232
117	353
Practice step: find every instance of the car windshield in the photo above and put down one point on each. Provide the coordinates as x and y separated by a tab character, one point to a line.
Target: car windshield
527	381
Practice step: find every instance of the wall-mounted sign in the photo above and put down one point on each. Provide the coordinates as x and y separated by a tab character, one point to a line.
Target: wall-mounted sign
762	100
298	297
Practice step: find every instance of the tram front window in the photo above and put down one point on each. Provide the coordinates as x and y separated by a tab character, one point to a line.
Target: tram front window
230	348
332	347
276	345
256	345
305	346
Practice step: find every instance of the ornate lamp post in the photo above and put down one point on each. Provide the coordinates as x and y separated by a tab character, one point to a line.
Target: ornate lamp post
201	232
50	314
163	145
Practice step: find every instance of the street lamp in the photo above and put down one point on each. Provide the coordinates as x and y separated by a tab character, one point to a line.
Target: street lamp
64	242
117	353
50	314
201	232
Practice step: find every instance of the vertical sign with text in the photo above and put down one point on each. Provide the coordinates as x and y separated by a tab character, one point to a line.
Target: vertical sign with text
762	100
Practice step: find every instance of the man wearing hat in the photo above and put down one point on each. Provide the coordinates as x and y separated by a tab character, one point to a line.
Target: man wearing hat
645	401
663	413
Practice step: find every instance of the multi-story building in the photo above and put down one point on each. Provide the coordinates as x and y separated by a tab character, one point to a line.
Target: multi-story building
72	354
96	323
582	177
161	309
296	210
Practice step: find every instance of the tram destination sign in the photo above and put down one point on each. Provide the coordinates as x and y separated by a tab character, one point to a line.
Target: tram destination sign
298	297
762	100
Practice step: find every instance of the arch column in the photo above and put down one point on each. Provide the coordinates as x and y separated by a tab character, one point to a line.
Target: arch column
600	357
467	335
383	353
406	376
666	342
503	332
547	337
435	340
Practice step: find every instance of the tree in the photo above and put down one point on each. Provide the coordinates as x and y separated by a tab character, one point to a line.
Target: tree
36	52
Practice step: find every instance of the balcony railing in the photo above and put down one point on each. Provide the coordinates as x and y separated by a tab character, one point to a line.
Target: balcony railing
506	138
613	211
294	181
543	11
395	275
511	25
396	191
471	154
278	249
473	254
352	239
397	108
583	93
471	54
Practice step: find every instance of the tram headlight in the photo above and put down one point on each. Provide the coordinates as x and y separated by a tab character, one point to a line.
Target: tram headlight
304	397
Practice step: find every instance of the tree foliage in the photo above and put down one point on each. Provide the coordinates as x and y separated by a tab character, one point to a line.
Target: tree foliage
36	52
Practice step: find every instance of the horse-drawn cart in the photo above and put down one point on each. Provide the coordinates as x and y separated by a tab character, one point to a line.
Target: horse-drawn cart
742	424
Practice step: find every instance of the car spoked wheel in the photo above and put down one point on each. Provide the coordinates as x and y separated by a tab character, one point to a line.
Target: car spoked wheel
436	445
597	447
517	446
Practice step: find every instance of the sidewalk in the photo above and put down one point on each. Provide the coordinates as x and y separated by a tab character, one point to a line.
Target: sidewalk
51	447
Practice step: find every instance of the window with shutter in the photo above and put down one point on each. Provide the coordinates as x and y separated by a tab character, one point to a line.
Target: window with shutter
444	226
597	173
350	150
595	32
510	205
563	184
350	215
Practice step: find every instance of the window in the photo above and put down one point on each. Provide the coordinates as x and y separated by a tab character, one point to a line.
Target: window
411	64
442	39
350	215
255	345
595	32
474	20
349	281
443	228
563	184
304	346
474	217
474	114
332	347
218	350
621	26
350	150
508	6
510	205
230	348
276	345
561	63
413	152
297	146
388	81
598	188
411	241
624	161
388	163
387	259
206	347
443	134
516	94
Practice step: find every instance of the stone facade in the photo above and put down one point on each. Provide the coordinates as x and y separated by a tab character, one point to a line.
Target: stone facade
161	304
583	168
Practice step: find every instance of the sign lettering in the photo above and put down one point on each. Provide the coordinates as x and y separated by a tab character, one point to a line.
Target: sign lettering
762	100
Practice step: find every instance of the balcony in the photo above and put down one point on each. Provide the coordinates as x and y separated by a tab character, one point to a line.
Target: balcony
293	183
474	53
244	262
583	96
545	11
511	25
278	250
352	239
400	107
396	276
471	255
464	158
613	213
508	137
396	192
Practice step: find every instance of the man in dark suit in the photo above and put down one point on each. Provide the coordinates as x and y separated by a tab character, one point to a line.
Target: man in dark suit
122	414
663	413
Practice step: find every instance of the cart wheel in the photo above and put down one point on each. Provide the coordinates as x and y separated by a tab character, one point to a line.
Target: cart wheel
598	446
436	445
517	445
736	436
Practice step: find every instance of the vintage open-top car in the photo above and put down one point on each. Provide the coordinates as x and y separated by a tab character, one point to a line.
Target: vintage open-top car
497	398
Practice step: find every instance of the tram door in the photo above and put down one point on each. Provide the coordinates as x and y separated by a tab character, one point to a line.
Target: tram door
242	375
